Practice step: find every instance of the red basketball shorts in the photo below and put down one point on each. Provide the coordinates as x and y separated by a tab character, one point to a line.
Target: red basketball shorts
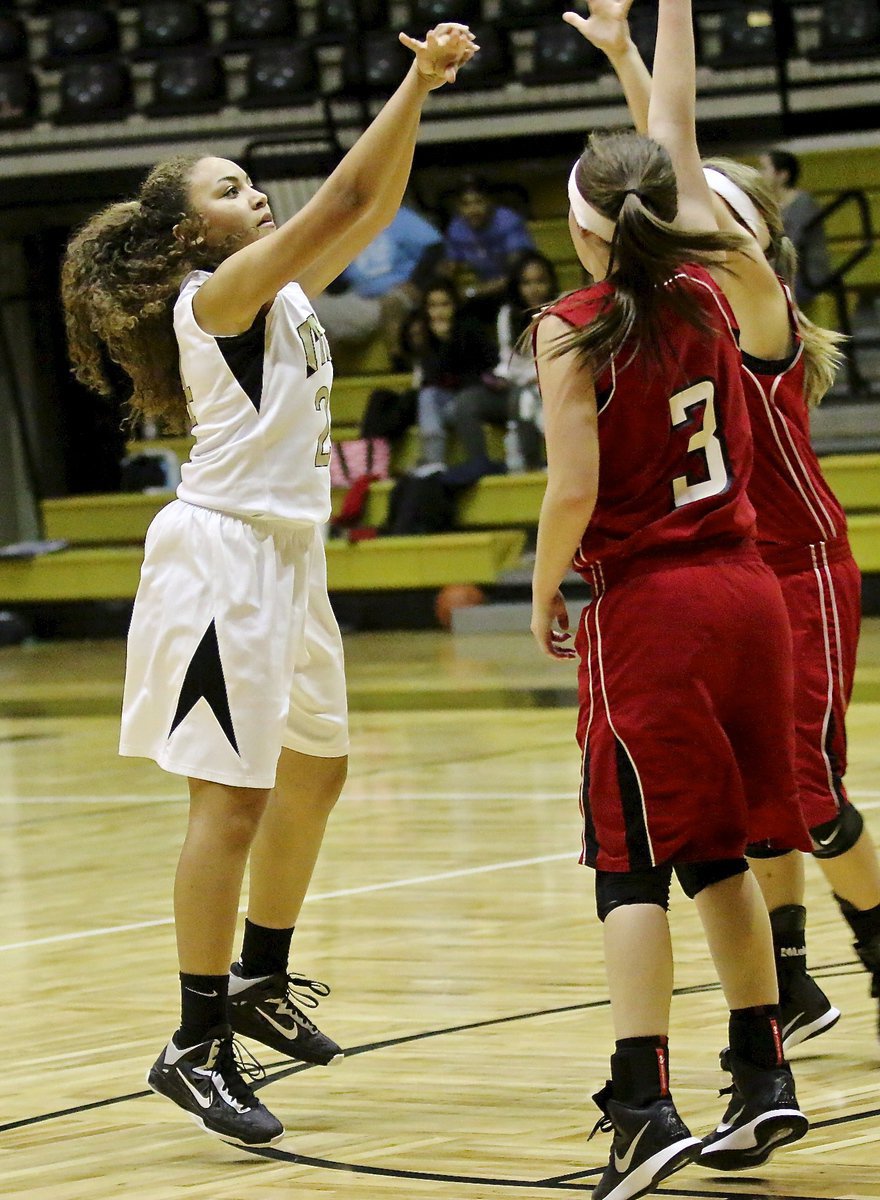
685	722
824	607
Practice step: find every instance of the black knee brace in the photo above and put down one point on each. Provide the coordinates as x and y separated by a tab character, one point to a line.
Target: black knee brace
694	877
615	888
763	850
836	837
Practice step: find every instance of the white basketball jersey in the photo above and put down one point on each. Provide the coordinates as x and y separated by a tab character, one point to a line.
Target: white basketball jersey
260	407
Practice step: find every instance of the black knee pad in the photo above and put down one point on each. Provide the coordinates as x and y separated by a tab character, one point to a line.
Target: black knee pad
694	877
763	850
615	888
836	837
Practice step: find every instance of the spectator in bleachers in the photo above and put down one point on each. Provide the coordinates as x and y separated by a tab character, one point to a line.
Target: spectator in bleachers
458	356
383	284
782	171
484	237
532	284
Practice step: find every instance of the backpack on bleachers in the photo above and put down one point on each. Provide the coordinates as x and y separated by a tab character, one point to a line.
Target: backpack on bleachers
388	414
420	504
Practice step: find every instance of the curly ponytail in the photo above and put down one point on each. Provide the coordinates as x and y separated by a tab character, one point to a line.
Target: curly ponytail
629	179
119	282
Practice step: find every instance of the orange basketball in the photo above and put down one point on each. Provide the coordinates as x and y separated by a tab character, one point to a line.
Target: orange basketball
456	595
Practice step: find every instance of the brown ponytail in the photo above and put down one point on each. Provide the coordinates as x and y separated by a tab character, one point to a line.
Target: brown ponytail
119	282
630	179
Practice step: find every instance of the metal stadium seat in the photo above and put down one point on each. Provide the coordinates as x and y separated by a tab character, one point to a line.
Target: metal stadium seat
188	83
750	37
374	64
282	75
82	31
493	66
424	14
519	14
251	22
168	24
13	38
93	91
341	18
848	29
561	55
19	103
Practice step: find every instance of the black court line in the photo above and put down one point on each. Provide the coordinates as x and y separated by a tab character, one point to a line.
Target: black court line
553	1183
562	1183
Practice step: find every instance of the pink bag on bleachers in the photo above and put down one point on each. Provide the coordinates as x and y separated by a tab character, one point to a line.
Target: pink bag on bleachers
360	456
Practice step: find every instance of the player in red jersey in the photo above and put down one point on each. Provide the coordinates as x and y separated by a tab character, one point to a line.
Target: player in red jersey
686	721
802	537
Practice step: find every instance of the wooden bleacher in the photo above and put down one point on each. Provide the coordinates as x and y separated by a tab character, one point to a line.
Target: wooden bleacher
105	533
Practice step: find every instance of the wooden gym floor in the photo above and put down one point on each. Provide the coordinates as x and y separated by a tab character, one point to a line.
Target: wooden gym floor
448	913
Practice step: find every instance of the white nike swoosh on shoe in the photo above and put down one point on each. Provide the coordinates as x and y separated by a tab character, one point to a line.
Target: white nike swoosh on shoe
623	1162
196	992
786	1029
281	1029
200	1099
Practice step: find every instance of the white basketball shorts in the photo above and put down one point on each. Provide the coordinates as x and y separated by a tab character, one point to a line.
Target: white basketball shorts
233	650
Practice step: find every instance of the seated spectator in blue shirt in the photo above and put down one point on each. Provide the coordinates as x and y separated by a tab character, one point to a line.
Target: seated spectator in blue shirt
383	284
485	237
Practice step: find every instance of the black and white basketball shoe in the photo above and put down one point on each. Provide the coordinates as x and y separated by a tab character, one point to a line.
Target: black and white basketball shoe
210	1083
763	1115
649	1144
804	1010
264	1009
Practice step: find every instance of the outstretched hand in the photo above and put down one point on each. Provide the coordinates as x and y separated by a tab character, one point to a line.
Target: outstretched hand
606	27
446	48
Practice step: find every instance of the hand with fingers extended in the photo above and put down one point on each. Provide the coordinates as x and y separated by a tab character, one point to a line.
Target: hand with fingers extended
446	47
606	27
550	627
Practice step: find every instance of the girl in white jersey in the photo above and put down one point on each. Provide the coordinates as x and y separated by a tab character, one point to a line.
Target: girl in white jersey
234	675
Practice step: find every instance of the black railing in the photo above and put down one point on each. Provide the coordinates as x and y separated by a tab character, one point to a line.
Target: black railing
834	281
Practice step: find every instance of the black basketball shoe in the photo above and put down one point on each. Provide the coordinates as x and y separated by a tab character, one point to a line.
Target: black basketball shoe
649	1144
762	1115
209	1081
804	1010
264	1009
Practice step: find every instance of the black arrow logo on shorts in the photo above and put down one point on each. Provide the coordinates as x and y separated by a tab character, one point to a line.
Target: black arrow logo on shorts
204	679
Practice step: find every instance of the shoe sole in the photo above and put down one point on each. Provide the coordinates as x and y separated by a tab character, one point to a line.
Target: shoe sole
654	1169
223	1137
751	1145
812	1029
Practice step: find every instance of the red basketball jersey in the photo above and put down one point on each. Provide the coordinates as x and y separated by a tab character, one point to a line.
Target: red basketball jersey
794	504
675	448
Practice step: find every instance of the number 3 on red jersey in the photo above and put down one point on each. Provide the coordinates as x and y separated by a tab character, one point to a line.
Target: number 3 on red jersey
704	440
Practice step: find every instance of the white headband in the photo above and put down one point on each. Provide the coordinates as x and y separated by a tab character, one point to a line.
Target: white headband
587	217
741	203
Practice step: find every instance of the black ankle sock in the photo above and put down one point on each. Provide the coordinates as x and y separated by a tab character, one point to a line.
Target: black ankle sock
202	1007
864	922
755	1035
789	924
264	951
640	1070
